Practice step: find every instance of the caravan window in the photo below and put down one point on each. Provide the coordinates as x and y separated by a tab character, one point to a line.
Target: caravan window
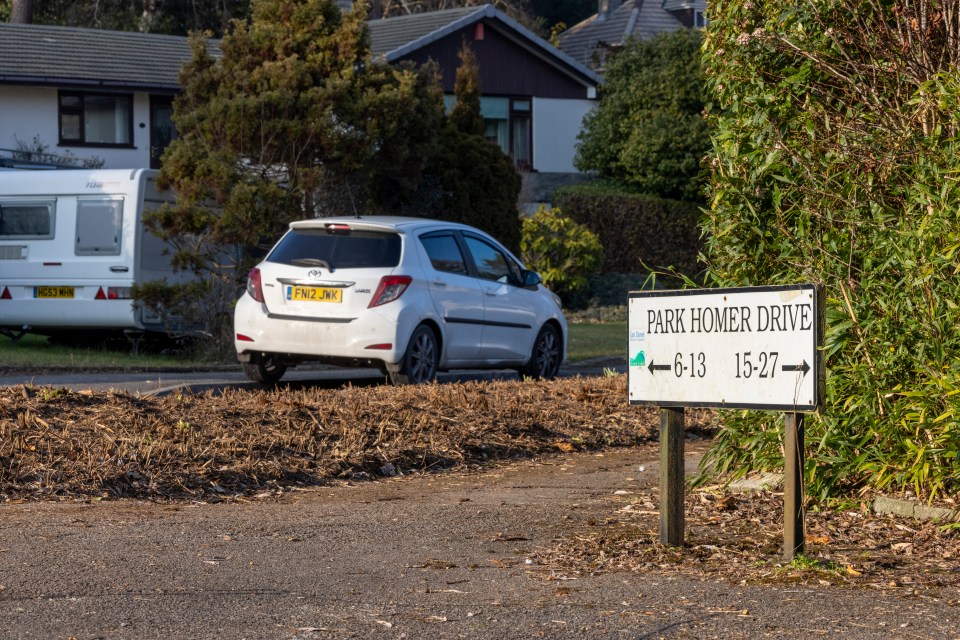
23	220
99	222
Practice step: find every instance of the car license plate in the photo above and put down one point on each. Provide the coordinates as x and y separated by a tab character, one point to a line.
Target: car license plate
314	294
53	292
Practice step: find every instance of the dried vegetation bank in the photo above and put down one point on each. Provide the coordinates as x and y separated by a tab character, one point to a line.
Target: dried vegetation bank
56	443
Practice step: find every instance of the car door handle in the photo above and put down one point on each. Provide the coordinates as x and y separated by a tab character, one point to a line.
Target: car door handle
439	283
490	292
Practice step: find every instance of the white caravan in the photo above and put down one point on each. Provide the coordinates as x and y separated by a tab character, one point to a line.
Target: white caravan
72	245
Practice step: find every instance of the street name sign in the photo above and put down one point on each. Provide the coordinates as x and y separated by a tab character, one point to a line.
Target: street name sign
737	348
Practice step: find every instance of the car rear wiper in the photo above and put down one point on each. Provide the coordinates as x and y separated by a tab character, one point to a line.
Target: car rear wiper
313	262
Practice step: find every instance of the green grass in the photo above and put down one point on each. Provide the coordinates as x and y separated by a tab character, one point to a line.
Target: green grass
587	340
597	339
37	351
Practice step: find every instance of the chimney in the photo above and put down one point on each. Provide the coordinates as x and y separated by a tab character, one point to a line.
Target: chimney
605	8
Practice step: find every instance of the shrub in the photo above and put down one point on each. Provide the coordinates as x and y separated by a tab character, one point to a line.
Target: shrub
835	162
470	180
563	251
648	130
638	232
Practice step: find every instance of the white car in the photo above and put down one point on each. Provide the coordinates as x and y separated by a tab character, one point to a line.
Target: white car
410	296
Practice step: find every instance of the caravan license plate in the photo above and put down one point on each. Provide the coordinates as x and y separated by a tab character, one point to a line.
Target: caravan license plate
53	292
314	294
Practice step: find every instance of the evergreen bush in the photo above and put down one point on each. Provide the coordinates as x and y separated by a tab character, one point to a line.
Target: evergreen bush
564	252
836	138
639	233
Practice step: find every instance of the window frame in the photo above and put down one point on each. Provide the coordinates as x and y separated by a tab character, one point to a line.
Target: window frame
51	205
79	111
84	223
516	269
520	114
464	253
501	115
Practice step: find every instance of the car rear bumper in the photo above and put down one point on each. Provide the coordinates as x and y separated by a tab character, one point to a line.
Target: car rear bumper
377	335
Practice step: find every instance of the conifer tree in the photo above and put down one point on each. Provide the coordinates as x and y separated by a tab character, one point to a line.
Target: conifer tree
465	115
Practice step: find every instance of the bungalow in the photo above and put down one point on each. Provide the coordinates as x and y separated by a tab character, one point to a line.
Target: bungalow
533	96
86	96
104	97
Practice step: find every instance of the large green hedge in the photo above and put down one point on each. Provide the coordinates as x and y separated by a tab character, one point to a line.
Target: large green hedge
638	232
835	162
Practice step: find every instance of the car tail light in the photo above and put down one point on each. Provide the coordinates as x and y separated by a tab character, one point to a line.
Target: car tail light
254	286
244	338
6	294
389	289
100	295
119	293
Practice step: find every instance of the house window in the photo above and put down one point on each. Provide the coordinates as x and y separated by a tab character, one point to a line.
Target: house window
96	119
521	142
699	19
508	122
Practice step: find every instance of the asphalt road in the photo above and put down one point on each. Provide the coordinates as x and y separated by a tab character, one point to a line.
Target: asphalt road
164	382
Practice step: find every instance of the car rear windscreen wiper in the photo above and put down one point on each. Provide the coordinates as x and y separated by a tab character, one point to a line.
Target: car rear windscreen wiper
312	262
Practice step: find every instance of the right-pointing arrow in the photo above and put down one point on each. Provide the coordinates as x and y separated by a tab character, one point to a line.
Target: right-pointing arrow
797	367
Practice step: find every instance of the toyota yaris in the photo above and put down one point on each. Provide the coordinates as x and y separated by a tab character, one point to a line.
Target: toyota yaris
410	296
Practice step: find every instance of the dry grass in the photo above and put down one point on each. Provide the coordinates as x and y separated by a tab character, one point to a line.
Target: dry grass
56	443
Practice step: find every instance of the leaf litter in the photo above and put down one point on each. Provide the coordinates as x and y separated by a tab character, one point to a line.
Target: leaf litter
56	444
738	538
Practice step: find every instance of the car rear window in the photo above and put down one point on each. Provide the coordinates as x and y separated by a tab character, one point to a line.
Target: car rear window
339	249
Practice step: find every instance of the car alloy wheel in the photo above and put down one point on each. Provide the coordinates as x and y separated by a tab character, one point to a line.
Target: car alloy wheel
544	363
421	359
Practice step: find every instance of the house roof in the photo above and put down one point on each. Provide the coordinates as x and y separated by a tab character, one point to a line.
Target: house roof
394	38
69	56
642	19
44	54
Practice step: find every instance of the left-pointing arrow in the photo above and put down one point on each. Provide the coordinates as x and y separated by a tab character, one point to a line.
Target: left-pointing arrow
658	367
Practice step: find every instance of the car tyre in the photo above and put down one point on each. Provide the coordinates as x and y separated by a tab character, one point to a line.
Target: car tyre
544	363
421	359
264	369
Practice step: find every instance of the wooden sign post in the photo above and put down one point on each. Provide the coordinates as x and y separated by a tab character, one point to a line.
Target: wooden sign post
742	348
793	526
671	476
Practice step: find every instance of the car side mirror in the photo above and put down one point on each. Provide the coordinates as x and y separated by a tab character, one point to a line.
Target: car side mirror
530	278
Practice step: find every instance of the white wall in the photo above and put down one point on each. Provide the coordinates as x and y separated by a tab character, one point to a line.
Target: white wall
556	124
26	112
